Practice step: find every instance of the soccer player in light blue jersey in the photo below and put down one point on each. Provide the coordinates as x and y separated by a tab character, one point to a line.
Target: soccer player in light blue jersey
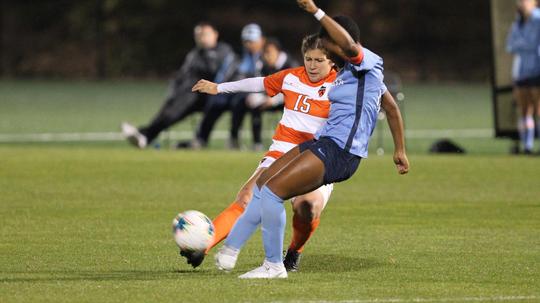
356	97
524	43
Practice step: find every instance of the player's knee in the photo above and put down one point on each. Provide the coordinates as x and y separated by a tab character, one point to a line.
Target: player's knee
169	115
307	210
244	197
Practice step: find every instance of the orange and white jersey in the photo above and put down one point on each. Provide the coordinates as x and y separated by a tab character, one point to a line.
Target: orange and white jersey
306	108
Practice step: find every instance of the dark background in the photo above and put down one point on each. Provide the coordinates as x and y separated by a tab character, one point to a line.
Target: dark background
423	40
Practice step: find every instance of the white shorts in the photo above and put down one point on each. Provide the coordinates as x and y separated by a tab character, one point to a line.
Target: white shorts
266	162
325	190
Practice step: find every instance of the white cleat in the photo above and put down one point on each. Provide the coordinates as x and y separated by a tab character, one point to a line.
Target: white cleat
267	271
132	134
226	258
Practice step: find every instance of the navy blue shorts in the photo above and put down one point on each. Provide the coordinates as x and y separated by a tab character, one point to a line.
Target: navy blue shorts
529	82
339	165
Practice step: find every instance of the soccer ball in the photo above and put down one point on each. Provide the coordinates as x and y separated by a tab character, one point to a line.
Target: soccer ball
192	231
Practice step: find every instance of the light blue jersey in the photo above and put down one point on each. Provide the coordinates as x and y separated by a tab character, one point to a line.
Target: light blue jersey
355	103
524	43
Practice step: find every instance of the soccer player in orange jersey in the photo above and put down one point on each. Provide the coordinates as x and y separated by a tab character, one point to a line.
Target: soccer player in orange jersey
305	90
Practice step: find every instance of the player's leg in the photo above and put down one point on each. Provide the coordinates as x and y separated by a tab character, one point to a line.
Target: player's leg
224	222
307	210
279	164
238	112
256	128
302	175
215	107
177	106
526	104
247	223
536	109
245	195
522	97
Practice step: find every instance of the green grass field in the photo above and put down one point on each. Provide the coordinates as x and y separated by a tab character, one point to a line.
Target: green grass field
81	107
90	221
93	225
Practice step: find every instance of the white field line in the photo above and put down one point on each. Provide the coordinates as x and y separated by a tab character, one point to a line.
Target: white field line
222	134
429	300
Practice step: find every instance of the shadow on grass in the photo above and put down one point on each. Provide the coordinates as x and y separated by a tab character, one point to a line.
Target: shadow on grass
336	263
119	275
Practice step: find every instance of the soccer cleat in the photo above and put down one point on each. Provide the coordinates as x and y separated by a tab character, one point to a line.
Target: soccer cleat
194	258
195	144
132	134
292	260
226	258
267	271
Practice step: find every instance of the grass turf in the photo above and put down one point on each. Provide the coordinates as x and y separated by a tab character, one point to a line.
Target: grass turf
92	224
77	106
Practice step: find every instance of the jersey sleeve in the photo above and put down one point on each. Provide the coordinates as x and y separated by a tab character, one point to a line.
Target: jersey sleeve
384	89
248	85
274	82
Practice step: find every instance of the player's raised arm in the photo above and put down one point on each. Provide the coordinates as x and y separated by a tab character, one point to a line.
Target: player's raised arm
249	85
348	46
395	122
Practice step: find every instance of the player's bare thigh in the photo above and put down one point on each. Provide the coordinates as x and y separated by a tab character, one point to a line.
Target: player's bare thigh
536	99
303	174
278	165
525	99
263	173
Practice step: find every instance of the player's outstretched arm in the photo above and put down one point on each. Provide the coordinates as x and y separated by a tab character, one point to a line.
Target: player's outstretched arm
395	122
341	37
248	85
205	87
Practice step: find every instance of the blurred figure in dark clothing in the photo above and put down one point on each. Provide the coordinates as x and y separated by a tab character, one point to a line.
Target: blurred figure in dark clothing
249	65
209	59
274	59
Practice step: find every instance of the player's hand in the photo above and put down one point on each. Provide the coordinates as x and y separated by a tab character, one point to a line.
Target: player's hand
402	163
308	5
206	87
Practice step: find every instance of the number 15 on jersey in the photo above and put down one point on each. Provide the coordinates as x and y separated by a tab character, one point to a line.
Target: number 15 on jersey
302	104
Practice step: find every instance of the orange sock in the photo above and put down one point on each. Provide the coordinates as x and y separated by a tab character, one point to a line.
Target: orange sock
302	231
224	222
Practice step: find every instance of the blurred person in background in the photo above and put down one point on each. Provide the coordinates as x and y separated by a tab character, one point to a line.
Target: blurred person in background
209	59
251	65
274	59
524	43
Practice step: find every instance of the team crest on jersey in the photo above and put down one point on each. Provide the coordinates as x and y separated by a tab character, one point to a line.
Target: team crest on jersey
322	90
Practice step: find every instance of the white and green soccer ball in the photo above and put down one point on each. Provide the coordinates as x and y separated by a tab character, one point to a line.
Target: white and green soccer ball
192	230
